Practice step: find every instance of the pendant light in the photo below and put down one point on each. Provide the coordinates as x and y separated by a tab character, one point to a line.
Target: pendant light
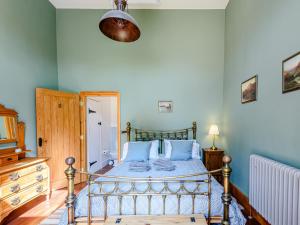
118	25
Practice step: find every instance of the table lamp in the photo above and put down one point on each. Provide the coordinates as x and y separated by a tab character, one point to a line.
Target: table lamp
214	130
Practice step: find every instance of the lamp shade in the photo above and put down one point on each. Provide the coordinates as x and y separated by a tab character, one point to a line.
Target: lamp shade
119	26
214	130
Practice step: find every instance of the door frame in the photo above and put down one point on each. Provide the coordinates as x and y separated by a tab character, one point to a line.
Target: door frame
83	120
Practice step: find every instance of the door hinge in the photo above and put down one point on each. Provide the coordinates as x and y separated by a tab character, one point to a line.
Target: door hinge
81	103
92	163
91	111
81	137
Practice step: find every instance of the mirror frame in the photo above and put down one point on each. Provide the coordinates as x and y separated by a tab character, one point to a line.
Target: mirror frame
12	113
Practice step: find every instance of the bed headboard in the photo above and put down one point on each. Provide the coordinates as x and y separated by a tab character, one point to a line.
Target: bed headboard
135	134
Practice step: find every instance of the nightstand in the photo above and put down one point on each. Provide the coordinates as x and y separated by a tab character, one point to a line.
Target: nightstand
213	160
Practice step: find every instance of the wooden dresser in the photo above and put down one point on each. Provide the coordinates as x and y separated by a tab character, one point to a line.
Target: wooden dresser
21	182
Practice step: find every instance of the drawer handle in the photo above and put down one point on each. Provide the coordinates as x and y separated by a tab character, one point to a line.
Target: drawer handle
16	201
15	188
39	178
39	168
9	159
40	189
14	176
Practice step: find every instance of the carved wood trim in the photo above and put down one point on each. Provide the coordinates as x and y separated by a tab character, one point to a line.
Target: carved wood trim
20	131
7	112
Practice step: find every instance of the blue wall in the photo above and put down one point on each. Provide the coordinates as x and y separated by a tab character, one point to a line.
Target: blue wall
180	57
259	35
27	57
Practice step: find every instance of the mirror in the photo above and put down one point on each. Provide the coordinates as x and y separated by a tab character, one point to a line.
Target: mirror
8	132
8	125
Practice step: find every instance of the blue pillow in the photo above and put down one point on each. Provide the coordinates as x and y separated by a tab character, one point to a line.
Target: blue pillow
181	150
138	151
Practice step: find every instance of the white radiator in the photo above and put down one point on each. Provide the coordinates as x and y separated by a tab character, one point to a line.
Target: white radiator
275	191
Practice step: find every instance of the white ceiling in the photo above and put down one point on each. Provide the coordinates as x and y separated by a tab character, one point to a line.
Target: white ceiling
142	4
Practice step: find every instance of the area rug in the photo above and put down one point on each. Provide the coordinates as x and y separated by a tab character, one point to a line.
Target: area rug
53	219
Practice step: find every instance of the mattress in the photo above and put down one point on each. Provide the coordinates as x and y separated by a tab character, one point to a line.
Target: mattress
182	168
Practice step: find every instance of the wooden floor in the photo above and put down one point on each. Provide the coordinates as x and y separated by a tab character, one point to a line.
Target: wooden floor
40	209
251	221
36	212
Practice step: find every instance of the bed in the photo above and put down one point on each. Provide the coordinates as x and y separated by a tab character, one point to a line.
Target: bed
189	189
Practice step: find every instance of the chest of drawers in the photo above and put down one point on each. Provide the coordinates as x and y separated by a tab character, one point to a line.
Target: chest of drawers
22	182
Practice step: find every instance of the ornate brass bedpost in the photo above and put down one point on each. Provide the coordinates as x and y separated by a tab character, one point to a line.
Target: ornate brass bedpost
128	131
70	173
194	130
226	197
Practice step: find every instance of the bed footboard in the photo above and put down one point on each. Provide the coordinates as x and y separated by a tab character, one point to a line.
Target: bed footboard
226	197
150	192
70	173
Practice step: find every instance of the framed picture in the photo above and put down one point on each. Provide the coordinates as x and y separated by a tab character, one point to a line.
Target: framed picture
291	73
165	106
249	90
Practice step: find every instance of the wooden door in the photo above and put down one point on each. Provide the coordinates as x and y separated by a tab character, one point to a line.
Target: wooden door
58	132
94	145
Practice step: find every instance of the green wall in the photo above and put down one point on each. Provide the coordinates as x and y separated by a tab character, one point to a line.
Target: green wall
180	57
27	57
259	35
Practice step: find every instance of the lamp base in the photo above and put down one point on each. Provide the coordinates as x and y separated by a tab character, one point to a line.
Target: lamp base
214	148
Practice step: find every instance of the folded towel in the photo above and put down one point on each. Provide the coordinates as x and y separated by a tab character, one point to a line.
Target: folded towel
139	167
171	168
163	162
164	165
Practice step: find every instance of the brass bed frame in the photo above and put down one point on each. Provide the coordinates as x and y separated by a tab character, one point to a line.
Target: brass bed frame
150	135
149	191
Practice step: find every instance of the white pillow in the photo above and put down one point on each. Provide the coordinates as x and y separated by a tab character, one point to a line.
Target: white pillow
125	151
153	150
195	149
168	149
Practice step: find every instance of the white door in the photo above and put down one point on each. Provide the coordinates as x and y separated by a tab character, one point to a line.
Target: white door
94	135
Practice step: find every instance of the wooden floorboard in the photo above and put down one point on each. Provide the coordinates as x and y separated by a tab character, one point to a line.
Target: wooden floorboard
39	209
256	218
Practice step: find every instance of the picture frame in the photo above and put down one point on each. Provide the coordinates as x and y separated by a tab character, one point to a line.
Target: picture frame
249	90
165	106
291	73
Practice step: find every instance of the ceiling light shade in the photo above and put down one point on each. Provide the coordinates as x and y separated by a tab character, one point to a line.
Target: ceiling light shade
119	25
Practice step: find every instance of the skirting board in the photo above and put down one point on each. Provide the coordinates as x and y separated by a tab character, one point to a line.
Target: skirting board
244	201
